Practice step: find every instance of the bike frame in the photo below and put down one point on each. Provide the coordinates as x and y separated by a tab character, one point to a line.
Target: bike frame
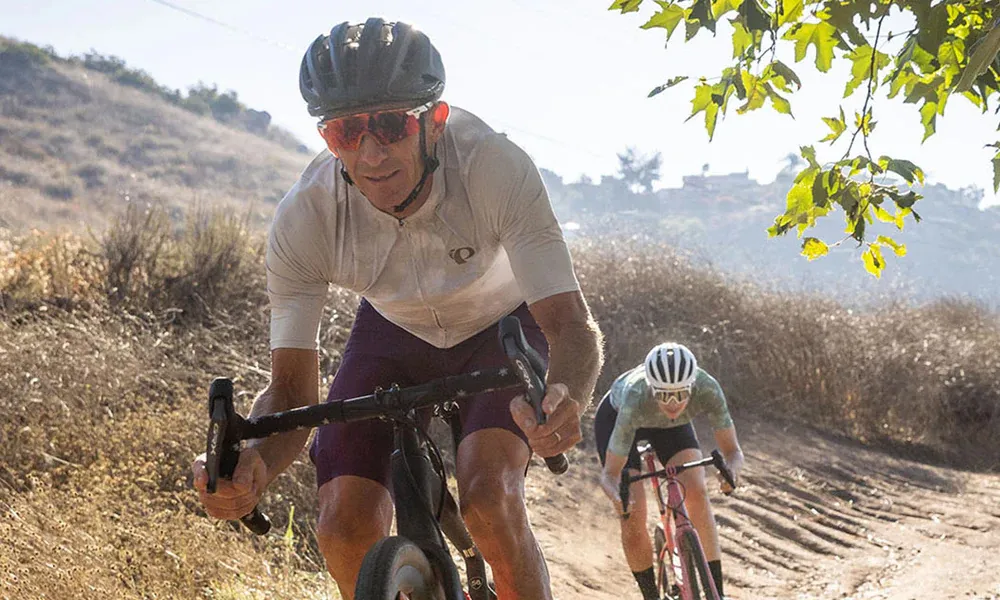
673	517
417	490
425	508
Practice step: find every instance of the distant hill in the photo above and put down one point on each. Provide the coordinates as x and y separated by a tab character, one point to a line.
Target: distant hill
80	138
722	221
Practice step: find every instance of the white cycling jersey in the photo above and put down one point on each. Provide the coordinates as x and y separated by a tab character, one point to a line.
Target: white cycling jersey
485	241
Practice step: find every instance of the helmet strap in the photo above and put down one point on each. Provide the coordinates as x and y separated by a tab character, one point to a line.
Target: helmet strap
431	164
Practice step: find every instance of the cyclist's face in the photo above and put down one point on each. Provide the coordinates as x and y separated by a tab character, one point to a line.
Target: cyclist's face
673	403
386	173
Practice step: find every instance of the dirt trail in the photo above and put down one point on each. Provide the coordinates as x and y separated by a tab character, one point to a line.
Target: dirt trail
817	518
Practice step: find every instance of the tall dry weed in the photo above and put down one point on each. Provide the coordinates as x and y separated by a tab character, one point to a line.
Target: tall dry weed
108	346
924	378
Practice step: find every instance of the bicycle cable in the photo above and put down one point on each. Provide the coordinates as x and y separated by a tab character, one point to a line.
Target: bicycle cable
438	462
413	480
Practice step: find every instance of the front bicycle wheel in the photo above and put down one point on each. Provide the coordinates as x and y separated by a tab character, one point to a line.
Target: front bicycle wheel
396	569
662	561
697	577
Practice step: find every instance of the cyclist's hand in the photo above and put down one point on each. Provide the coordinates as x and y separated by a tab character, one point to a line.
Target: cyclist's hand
561	430
735	464
238	497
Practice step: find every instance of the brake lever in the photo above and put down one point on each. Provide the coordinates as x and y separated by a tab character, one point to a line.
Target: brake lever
530	369
623	493
720	463
223	446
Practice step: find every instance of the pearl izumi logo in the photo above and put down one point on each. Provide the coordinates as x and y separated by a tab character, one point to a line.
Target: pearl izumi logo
461	255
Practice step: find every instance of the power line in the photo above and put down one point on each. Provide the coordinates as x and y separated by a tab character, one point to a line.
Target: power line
250	34
225	25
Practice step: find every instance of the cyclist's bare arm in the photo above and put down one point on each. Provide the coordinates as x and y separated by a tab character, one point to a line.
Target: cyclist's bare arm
575	344
575	358
731	451
294	383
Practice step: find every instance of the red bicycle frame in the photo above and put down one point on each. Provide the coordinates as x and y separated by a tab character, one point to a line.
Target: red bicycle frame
675	572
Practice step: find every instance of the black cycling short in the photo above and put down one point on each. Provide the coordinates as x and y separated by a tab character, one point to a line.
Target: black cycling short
666	442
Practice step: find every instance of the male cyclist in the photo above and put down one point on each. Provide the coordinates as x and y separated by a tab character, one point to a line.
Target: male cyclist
656	401
443	227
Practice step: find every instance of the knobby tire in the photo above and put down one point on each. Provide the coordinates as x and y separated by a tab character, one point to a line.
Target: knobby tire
396	569
696	574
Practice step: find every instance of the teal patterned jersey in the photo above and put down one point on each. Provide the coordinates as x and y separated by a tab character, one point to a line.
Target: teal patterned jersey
637	409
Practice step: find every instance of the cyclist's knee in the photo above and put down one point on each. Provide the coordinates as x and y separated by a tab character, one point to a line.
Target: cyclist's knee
489	508
352	512
695	489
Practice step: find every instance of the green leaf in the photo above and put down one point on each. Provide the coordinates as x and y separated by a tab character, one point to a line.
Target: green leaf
924	59
859	163
883	215
779	103
625	6
691	28
755	18
756	94
722	7
862	58
837	127
899	249
904	168
781	75
996	175
857	229
904	79
900	215
932	24
951	55
800	198
840	16
928	117
669	84
809	153
705	100
780	227
927	88
833	182
907	201
742	39
702	12
790	11
668	18
874	263
980	60
819	35
813	248
820	191
864	123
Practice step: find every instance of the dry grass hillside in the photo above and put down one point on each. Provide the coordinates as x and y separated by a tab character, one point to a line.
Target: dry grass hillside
107	362
76	147
872	437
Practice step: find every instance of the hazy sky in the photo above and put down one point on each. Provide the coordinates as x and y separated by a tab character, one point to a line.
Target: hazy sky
566	79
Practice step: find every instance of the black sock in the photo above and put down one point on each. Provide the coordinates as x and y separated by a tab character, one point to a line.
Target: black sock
715	566
647	583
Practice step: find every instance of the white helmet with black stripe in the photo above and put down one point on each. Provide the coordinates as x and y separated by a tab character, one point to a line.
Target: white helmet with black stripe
670	367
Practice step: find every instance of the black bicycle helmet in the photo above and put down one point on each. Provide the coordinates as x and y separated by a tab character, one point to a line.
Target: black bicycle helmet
377	65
